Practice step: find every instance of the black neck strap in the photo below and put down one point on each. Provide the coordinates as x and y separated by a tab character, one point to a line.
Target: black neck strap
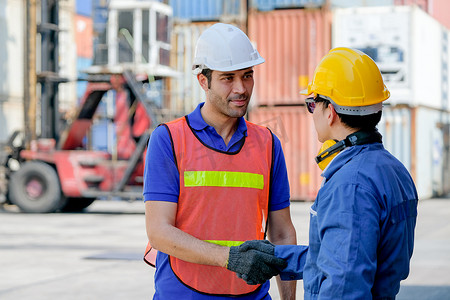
356	138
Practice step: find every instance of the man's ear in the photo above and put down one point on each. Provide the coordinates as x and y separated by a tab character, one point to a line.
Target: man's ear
333	116
203	81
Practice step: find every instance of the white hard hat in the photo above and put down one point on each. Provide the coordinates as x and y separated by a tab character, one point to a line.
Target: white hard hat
224	47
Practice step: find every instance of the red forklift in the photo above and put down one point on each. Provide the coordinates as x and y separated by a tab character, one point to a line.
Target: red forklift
67	176
59	171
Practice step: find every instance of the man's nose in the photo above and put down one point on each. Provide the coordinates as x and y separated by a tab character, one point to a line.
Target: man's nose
238	86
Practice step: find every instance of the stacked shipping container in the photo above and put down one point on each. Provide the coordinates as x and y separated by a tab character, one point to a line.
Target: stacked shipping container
419	137
412	50
11	67
100	136
67	56
191	18
84	41
438	9
292	41
294	127
12	62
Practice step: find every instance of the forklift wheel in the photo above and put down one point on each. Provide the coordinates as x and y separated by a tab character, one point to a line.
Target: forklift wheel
35	188
77	204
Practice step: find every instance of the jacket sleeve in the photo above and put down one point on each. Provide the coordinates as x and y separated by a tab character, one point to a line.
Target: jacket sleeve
348	230
295	256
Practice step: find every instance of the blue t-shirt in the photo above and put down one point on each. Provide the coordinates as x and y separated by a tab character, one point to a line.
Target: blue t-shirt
162	183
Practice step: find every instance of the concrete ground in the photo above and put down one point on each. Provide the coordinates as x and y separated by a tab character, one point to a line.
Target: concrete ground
98	254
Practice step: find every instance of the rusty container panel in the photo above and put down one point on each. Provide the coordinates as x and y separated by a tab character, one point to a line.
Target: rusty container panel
292	42
293	125
440	11
83	36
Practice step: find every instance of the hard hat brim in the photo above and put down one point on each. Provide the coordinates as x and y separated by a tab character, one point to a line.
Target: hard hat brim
304	92
242	66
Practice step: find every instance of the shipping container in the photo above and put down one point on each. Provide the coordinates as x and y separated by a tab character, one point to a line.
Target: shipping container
84	7
294	127
409	47
11	51
419	137
11	67
267	5
67	56
186	92
82	65
360	3
440	10
11	118
84	36
100	16
138	37
292	43
208	10
423	4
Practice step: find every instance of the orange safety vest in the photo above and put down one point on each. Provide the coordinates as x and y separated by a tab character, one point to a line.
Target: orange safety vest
223	199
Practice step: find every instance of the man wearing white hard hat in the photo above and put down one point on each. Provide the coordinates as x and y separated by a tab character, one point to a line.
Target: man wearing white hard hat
213	181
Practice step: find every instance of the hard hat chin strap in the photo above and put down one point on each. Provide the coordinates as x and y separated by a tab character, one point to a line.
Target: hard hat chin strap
357	138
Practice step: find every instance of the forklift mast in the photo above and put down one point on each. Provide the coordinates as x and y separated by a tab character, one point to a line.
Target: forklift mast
48	77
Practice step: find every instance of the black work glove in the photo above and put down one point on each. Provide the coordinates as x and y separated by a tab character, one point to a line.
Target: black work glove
254	261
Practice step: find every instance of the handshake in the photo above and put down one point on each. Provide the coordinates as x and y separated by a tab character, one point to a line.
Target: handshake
255	262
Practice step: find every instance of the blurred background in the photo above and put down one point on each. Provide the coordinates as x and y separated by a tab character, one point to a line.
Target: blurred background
83	83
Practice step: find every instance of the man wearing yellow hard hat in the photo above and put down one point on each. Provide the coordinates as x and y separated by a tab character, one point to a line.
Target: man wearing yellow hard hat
362	222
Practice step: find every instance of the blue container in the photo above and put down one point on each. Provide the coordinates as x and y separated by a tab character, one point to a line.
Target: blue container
266	5
84	7
204	10
82	64
100	15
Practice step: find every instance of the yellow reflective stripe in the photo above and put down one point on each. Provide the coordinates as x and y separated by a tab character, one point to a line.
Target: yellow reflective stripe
225	243
223	178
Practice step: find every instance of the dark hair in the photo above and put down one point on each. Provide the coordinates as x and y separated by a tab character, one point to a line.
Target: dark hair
208	74
366	123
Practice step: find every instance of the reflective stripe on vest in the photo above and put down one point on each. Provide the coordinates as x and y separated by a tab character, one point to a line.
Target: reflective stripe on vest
223	200
226	243
224	179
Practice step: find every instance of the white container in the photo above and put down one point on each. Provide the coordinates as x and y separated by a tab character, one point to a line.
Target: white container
420	138
11	118
432	151
408	45
11	66
186	92
67	55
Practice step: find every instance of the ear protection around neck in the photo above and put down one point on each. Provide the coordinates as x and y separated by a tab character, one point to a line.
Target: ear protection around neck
331	148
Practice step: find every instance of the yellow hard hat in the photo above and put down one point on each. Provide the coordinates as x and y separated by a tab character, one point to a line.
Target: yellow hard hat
350	79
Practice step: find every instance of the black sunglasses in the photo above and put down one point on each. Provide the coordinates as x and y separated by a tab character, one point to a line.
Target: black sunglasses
310	104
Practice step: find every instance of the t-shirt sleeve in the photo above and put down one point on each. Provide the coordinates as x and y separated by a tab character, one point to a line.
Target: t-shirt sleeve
161	176
280	195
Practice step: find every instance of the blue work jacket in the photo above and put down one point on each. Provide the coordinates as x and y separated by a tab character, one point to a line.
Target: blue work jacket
361	229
